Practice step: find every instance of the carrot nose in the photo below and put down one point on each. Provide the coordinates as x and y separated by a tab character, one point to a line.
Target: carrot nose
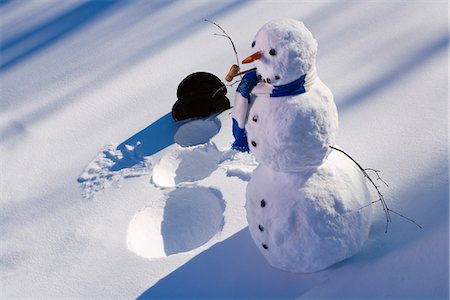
252	58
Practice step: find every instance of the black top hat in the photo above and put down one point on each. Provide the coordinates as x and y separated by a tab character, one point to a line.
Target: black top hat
200	95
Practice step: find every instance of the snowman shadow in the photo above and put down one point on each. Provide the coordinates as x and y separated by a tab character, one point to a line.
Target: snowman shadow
233	268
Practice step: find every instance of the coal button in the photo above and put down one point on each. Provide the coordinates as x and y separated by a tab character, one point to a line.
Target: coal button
255	118
263	203
253	143
261	228
265	246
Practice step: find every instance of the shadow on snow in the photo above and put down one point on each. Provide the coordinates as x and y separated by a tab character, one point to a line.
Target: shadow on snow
150	140
233	268
146	49
390	77
24	45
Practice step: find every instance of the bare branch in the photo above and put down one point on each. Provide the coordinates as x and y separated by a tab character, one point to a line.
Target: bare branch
233	83
371	203
224	87
225	34
409	219
377	172
386	209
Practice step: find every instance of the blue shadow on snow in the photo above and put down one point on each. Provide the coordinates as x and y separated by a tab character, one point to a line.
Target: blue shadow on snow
232	269
414	61
148	141
158	43
29	43
3	2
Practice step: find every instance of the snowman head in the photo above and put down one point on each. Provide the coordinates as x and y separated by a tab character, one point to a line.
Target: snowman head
284	50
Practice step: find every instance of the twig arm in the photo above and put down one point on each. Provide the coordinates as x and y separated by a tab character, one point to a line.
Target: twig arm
225	35
381	199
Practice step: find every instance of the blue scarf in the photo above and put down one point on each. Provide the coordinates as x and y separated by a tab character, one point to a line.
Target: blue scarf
250	79
295	87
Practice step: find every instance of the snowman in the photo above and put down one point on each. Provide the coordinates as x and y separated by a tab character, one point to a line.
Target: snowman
304	201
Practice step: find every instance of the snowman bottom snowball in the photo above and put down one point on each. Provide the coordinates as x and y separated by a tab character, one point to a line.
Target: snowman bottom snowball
299	229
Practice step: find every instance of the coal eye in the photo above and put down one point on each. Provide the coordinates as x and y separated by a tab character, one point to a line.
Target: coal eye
273	52
253	44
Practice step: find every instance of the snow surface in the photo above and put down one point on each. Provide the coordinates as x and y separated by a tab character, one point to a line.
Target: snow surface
86	93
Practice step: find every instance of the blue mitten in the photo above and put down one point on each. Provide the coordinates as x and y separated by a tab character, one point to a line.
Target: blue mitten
240	138
247	83
244	88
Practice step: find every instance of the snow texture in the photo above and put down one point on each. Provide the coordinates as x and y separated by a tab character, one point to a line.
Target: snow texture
190	217
103	171
178	166
78	75
196	132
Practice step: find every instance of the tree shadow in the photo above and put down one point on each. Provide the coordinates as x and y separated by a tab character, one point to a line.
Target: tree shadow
413	62
325	13
4	2
161	39
22	46
330	38
231	269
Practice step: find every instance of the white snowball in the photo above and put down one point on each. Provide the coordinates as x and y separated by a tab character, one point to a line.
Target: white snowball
292	133
309	221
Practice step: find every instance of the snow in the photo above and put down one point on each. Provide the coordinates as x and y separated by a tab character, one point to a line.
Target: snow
196	132
177	166
191	216
89	86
